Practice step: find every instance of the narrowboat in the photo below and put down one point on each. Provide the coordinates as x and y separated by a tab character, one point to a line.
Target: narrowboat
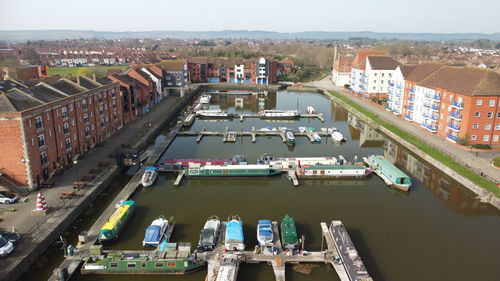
234	240
116	221
149	176
388	172
279	113
179	164
213	113
333	171
155	233
142	262
289	237
290	138
294	162
197	170
265	232
189	120
209	234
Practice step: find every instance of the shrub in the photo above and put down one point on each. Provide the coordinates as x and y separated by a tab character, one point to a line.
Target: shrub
481	146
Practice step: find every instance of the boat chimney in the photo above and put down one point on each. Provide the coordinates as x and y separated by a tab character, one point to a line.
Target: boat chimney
78	80
93	76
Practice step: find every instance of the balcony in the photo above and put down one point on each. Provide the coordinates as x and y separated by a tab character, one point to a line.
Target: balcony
408	117
399	86
429	127
391	84
430	116
451	137
412	90
454	127
398	94
411	98
410	107
389	99
388	107
431	96
434	107
457	104
456	115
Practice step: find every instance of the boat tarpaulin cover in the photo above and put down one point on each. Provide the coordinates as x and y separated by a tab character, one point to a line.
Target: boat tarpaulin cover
234	231
152	234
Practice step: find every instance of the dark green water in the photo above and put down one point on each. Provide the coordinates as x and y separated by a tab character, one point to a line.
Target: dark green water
438	231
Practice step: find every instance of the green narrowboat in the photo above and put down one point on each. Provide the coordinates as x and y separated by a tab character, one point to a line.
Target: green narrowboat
289	237
388	172
116	221
142	262
198	170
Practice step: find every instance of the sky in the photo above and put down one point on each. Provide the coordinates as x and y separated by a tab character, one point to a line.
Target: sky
429	16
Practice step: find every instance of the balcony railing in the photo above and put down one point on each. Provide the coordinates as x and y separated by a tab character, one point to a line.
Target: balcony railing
399	86
457	104
432	106
453	126
451	137
411	98
410	107
430	116
429	127
435	97
412	90
456	115
391	84
408	117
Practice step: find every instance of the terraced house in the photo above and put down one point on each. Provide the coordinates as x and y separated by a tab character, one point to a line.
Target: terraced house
44	126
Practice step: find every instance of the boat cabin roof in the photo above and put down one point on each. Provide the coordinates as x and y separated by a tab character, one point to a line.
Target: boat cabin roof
382	163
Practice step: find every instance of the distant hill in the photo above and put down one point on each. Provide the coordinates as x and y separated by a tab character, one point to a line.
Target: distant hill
24	35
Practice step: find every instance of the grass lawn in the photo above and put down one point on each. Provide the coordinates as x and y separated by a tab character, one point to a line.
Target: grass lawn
434	153
496	161
99	71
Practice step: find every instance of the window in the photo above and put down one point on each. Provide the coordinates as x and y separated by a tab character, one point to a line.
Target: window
486	137
498	114
100	110
475	126
84	105
64	112
66	128
131	264
477	114
41	141
490	114
374	81
383	74
159	264
479	102
101	122
99	98
113	264
171	264
382	81
87	131
495	138
375	74
492	103
85	118
68	144
43	158
497	126
487	127
473	137
38	122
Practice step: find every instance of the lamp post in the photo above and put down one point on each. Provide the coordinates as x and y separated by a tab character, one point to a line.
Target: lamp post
76	173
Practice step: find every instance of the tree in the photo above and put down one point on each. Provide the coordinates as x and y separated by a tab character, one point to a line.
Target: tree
32	56
83	71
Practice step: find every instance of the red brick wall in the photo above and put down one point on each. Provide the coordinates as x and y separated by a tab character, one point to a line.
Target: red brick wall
12	151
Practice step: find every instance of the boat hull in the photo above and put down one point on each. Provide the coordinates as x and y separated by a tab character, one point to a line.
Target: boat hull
110	230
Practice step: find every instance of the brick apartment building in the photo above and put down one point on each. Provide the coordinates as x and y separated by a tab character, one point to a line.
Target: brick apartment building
44	126
453	102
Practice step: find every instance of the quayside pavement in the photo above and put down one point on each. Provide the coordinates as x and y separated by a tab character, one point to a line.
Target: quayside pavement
478	160
35	228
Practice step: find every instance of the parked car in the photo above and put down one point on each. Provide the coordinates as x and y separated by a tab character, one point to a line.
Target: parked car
6	247
11	236
7	199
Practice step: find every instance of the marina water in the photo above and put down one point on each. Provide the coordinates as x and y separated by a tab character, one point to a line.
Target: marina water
437	231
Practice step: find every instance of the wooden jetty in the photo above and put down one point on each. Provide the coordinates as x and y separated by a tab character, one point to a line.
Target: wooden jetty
230	136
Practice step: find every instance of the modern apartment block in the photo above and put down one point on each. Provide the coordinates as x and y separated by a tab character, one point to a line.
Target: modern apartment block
371	77
44	126
215	70
175	73
343	64
457	103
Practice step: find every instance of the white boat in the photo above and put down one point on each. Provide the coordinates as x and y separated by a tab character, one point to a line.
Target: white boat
149	176
316	137
279	113
155	232
268	129
302	129
214	113
311	110
205	99
198	106
282	129
337	135
265	232
209	233
290	138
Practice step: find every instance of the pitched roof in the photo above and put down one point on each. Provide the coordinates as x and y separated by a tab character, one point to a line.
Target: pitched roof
406	69
5	104
343	64
423	70
464	80
22	101
172	64
362	54
382	62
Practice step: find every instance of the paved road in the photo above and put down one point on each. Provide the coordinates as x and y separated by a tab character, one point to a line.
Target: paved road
22	220
480	160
